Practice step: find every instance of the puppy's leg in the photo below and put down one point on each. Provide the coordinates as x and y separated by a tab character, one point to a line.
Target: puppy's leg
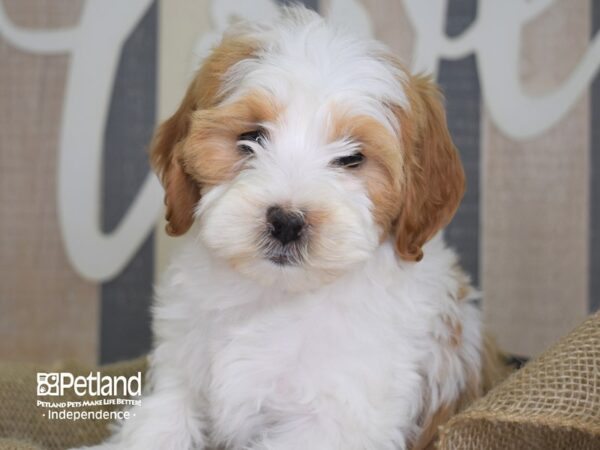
167	419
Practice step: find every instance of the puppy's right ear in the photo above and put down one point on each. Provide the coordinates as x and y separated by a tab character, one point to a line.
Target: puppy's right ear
182	191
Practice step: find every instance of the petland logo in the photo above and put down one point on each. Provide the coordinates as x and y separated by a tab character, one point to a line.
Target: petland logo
95	384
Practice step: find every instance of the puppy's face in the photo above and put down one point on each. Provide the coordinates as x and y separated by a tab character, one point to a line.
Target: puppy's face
299	151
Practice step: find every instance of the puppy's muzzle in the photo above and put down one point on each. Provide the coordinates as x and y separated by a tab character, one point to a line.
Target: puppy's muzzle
285	226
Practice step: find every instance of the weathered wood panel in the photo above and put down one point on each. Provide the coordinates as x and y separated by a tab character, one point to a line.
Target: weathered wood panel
535	199
47	311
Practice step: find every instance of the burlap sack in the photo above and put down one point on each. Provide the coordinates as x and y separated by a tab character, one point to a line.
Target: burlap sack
24	426
551	403
17	444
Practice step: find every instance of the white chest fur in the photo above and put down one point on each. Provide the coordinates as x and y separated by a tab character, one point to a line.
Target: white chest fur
358	360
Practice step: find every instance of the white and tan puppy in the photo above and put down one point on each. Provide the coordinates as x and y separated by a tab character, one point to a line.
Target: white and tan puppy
314	305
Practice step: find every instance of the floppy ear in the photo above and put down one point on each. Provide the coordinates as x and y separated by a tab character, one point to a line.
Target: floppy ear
434	180
182	192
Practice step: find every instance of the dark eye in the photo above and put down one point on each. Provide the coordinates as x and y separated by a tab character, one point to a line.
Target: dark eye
350	161
245	140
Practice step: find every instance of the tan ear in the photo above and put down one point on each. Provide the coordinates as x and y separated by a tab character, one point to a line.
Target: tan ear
434	178
182	192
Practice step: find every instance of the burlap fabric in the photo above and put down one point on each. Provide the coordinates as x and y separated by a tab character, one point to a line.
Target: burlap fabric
24	426
18	444
551	403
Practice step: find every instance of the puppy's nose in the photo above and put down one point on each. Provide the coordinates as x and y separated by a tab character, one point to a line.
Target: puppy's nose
285	226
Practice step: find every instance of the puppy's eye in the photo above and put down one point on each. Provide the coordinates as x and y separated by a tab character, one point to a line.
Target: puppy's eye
247	141
350	161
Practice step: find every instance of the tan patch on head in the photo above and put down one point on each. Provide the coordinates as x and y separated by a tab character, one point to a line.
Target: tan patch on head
382	170
209	153
181	192
415	180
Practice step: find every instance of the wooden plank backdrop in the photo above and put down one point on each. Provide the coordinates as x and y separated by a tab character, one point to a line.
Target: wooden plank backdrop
535	208
524	230
47	311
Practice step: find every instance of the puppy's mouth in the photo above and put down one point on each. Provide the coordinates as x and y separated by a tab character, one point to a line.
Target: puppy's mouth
284	255
282	260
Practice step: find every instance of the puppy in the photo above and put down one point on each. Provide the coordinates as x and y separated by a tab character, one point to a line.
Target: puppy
314	304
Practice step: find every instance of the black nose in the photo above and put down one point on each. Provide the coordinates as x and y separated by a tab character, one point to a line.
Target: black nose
285	226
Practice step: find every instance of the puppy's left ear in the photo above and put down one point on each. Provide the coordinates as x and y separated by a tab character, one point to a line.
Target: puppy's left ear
434	181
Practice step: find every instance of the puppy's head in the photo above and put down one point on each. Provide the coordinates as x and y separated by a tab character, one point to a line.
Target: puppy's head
299	150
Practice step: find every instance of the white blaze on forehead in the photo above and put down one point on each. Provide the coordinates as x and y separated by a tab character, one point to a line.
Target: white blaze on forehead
297	151
305	60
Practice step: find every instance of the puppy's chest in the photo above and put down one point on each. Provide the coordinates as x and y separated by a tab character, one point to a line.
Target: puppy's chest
291	357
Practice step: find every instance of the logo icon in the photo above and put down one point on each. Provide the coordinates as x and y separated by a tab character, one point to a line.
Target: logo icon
47	383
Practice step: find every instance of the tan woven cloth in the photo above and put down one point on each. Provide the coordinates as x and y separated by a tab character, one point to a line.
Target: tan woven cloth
23	425
551	403
18	444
